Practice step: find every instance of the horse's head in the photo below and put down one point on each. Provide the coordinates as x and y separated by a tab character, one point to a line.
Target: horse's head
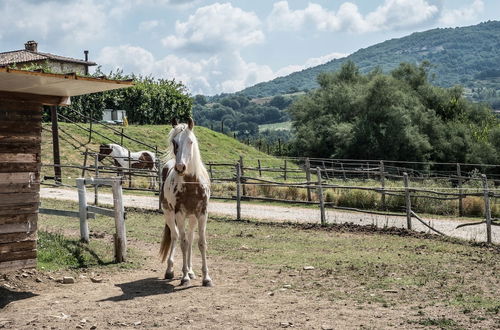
183	144
104	150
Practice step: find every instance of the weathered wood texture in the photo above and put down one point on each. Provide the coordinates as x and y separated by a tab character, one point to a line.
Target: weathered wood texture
20	140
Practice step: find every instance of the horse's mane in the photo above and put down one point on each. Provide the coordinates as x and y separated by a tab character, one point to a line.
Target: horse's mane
199	168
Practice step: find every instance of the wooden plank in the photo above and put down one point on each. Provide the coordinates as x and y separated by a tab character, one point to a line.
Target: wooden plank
25	227
19	187
34	98
17	246
32	138
9	266
24	116
19	209
101	210
22	177
18	158
19	198
16	128
17	237
19	167
16	106
18	255
18	218
26	148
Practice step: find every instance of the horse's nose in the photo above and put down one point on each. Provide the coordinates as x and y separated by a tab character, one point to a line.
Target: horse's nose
180	168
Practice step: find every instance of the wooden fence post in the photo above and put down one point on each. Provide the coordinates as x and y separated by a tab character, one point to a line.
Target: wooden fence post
260	168
367	171
84	167
129	170
487	209
326	171
242	173
160	180
121	234
210	170
460	198
407	201
321	197
308	179
284	169
82	203
382	183
343	171
238	191
96	175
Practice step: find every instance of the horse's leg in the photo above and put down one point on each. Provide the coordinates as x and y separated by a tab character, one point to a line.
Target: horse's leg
202	244
174	234
192	224
184	247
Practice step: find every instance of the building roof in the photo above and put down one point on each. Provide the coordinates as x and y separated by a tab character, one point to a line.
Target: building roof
26	56
53	84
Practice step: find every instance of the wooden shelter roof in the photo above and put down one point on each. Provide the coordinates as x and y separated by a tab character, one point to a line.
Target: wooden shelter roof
50	85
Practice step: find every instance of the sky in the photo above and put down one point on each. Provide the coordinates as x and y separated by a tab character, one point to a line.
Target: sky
223	46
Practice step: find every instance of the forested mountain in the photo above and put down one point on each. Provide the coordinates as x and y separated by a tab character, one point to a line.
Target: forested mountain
469	56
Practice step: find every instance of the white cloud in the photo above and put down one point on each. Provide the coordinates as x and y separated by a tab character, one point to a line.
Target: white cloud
148	25
455	17
224	72
72	22
215	28
392	14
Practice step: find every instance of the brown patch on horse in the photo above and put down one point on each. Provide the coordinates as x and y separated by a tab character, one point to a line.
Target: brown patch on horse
164	174
104	151
145	162
193	197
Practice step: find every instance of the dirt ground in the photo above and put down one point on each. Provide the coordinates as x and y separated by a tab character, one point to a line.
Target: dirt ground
242	298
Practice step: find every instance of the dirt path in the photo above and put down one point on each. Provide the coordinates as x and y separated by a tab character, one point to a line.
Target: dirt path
294	214
242	298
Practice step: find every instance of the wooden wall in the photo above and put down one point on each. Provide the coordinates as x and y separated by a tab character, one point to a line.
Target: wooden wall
20	140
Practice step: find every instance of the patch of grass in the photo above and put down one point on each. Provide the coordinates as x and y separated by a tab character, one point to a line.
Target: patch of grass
55	251
442	323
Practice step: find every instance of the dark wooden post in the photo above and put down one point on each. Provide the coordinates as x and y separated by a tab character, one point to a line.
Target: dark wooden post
460	198
308	179
487	208
260	168
382	183
96	175
321	197
284	169
407	201
238	191
55	145
242	173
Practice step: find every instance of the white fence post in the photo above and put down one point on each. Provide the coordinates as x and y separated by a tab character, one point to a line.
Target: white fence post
121	234
82	203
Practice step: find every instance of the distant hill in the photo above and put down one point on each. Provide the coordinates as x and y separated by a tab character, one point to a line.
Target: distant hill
469	56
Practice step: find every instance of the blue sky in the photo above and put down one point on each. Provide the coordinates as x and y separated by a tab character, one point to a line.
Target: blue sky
217	46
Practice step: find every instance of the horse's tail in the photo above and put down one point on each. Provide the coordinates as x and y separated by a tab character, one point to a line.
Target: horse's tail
165	243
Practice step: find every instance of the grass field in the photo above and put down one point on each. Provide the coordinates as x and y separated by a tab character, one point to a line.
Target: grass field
390	271
284	126
214	147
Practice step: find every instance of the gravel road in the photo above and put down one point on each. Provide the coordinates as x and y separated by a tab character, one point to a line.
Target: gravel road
293	214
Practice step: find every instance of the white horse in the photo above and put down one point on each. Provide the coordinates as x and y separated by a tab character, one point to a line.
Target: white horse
184	198
145	160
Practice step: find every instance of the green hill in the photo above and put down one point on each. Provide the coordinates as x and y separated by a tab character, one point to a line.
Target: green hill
215	147
468	56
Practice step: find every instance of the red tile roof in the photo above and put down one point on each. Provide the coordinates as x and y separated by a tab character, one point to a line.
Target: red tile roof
24	56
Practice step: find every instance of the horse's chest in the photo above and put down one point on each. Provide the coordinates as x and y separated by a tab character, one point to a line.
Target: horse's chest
188	197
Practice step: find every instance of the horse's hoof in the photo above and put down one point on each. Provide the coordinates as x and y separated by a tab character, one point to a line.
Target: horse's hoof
207	283
192	276
184	282
169	275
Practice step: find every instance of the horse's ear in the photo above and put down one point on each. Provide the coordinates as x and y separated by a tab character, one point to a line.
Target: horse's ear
190	123
174	122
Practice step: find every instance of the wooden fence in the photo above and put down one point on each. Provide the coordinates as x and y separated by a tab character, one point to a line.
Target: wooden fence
318	175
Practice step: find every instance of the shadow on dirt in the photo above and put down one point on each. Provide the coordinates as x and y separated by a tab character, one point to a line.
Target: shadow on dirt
7	296
145	287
